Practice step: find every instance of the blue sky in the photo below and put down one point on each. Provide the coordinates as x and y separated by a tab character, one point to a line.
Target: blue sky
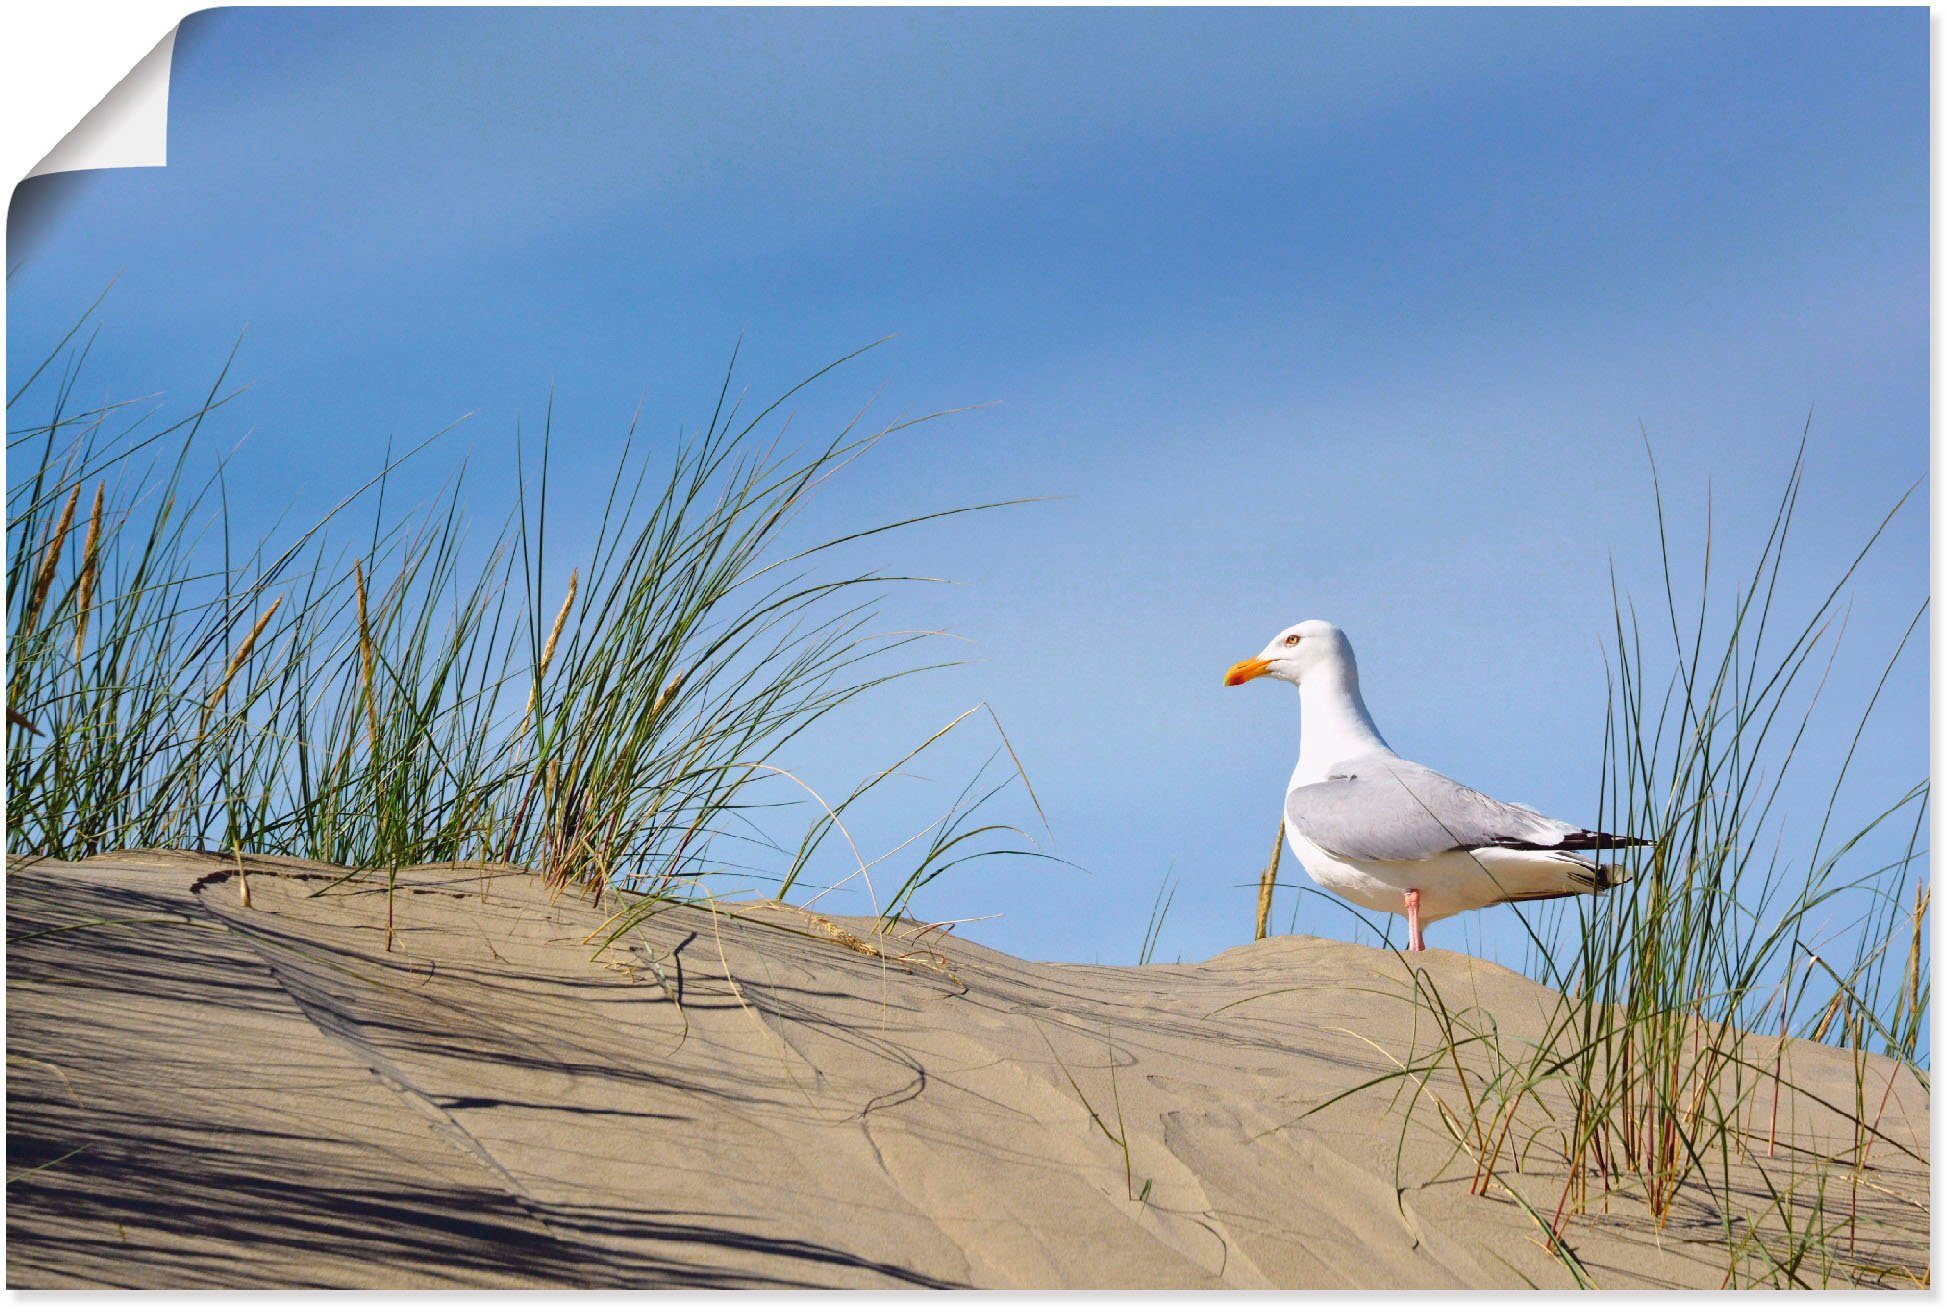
1349	314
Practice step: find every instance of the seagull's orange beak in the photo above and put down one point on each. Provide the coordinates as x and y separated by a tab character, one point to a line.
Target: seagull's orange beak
1245	671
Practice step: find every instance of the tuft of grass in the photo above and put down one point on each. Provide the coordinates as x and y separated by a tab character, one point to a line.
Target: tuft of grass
1659	1080
376	690
1159	911
1119	1136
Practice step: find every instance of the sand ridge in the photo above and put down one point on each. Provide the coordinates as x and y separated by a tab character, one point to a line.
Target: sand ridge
207	1093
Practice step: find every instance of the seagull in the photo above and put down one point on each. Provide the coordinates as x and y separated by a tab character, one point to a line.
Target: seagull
1390	835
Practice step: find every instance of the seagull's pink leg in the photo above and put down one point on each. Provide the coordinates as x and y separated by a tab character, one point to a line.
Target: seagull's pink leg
1416	941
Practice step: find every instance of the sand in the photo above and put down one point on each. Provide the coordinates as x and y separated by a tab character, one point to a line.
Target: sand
207	1093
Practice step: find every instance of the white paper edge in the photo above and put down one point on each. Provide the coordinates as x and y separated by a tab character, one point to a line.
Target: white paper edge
129	129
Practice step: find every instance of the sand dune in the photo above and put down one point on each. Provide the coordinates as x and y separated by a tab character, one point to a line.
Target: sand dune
202	1092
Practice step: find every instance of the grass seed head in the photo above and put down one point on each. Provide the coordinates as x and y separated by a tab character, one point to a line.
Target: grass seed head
50	562
547	650
367	659
236	661
90	571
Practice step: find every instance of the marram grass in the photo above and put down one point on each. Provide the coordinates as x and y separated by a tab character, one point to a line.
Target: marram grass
375	690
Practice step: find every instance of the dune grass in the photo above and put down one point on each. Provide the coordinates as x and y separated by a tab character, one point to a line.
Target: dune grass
379	688
1657	1084
1159	913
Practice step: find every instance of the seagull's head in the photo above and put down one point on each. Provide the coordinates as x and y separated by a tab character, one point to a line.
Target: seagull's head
1299	652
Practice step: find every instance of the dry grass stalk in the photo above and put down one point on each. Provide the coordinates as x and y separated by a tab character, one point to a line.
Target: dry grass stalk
547	651
44	578
664	697
926	958
84	595
554	865
1267	882
1922	895
367	658
842	936
236	661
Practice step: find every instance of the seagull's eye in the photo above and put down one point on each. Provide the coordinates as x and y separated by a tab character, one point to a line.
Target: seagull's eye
1291	640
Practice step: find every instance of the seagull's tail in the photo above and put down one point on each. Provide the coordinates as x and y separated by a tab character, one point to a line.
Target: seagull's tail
1604	874
1585	849
1579	862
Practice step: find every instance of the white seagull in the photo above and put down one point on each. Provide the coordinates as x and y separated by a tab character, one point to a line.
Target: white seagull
1390	835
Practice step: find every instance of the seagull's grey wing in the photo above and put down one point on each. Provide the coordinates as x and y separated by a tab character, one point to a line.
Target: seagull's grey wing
1381	808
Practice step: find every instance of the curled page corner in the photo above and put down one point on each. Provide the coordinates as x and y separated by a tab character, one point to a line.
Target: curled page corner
128	129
